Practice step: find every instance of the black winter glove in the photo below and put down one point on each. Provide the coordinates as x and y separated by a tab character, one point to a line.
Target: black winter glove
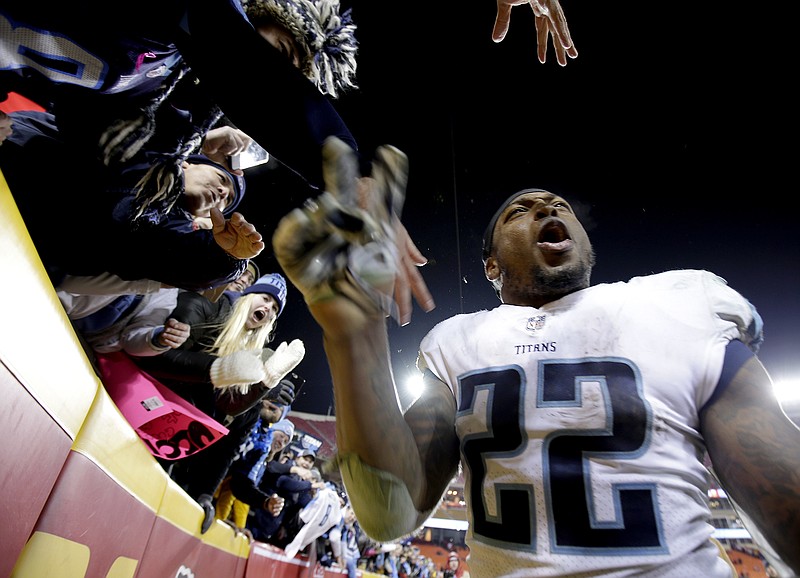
281	394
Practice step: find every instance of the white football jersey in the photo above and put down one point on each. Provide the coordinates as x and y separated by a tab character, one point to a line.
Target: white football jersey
578	425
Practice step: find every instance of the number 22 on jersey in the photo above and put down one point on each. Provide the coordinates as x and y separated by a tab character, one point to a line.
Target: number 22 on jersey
576	412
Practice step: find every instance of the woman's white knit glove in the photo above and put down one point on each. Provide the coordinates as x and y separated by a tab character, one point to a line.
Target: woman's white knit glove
284	360
241	368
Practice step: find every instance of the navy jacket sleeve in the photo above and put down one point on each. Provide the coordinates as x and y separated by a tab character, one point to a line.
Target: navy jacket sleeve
290	484
168	250
246	491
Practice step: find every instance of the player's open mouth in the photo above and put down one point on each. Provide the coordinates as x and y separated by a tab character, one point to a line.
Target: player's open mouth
553	237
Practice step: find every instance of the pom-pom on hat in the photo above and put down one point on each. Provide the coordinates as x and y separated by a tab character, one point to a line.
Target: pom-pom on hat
326	37
284	426
238	182
272	284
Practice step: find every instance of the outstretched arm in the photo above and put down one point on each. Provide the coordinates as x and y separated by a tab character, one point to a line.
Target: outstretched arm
388	459
755	451
344	261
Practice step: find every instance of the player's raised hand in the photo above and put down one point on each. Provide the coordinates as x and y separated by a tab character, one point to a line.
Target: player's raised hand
349	242
550	21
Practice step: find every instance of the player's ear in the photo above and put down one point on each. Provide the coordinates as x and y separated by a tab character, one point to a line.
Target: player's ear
491	269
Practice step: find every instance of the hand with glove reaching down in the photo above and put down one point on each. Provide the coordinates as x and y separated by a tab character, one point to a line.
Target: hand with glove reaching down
349	241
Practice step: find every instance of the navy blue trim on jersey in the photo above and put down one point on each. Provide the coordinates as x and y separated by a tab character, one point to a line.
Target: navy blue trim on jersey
736	354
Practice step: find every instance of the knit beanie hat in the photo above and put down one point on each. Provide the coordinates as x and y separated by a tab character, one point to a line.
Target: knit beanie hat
326	38
238	182
307	453
284	426
253	268
272	284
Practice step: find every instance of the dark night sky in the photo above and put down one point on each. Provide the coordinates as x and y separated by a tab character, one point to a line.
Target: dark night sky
666	130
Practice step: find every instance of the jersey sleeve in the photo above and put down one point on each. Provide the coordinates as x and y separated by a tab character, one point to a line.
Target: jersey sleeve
732	308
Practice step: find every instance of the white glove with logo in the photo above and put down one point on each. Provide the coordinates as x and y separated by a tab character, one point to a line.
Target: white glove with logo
239	369
343	243
285	358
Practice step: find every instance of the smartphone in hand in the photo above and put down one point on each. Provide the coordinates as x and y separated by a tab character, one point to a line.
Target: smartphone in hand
253	156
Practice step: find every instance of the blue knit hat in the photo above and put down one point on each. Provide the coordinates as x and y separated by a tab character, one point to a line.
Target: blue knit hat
284	426
307	452
238	182
272	284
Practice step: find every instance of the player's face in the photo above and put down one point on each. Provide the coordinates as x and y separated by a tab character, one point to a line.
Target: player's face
205	187
540	250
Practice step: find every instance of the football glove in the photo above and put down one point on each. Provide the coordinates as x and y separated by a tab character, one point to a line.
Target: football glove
343	242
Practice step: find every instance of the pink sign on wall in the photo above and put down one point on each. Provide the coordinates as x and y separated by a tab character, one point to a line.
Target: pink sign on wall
171	427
